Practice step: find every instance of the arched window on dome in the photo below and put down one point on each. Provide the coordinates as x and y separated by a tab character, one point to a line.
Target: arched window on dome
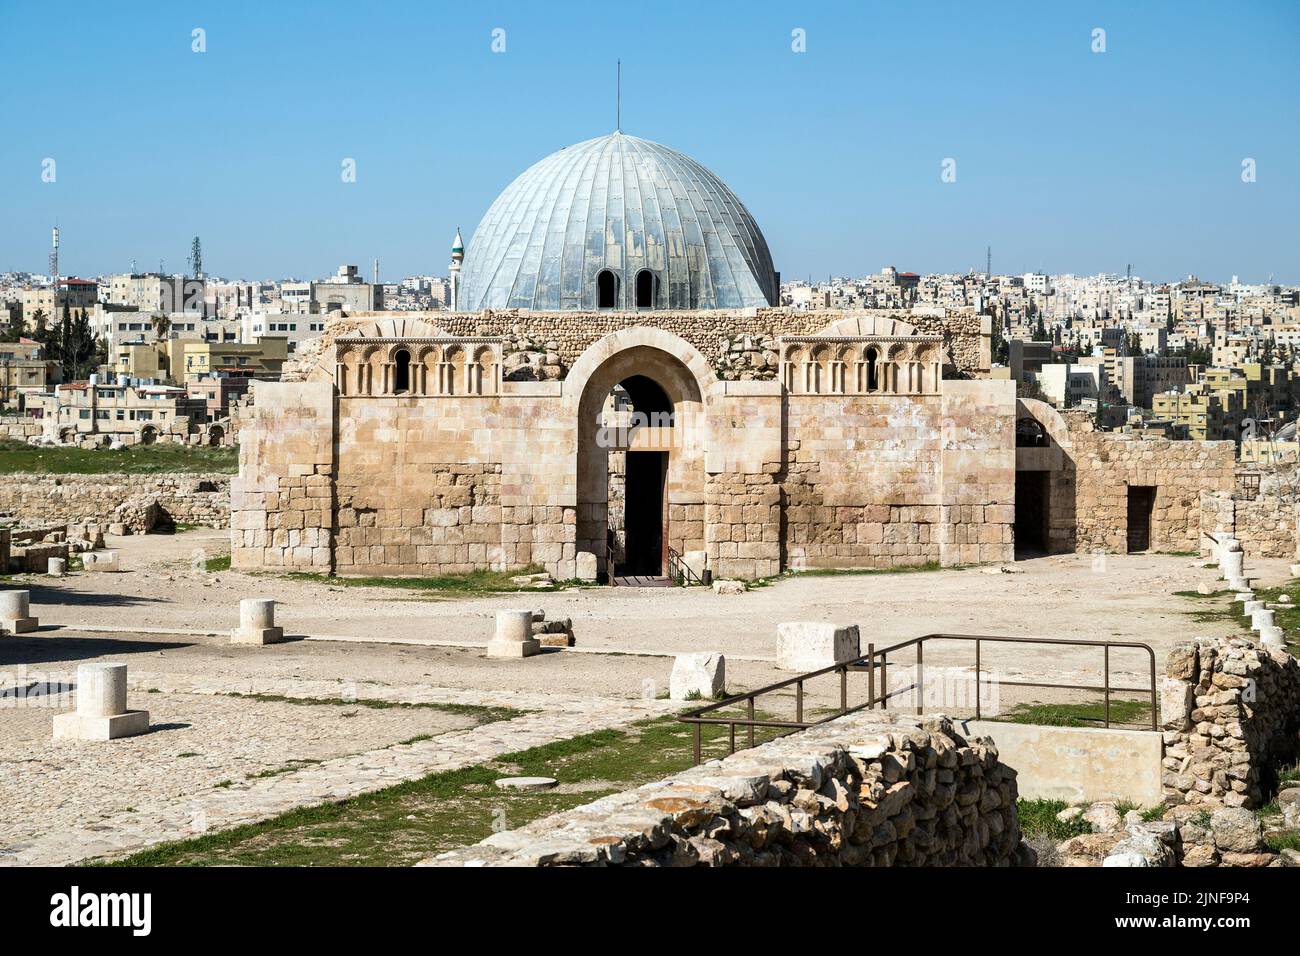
647	289
402	371
606	290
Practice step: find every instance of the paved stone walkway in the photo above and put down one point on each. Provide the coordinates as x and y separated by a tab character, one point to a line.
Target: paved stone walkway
551	718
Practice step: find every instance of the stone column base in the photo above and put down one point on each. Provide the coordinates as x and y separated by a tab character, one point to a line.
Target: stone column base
19	625
526	648
257	635
76	727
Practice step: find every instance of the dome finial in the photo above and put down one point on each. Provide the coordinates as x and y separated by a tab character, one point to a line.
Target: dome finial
618	96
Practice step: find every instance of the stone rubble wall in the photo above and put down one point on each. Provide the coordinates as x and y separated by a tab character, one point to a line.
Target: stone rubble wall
1089	508
140	503
1231	714
1267	527
869	789
19	427
739	344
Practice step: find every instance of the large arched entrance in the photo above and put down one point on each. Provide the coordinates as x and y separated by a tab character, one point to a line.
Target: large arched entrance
640	464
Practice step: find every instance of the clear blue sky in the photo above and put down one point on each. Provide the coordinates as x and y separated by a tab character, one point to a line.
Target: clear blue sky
1067	160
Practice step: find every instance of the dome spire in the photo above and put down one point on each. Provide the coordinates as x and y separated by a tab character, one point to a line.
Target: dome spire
618	96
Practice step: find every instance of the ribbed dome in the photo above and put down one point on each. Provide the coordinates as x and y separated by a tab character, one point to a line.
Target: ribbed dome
623	205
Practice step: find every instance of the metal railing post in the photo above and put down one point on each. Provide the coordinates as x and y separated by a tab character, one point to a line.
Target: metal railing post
751	721
1106	684
871	676
977	678
798	703
698	734
920	676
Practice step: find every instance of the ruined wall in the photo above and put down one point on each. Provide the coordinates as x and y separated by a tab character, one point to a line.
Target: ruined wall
119	498
1265	526
19	427
864	790
1231	714
1089	508
738	344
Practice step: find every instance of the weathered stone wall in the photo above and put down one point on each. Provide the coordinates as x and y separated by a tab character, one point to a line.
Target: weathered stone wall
1231	714
19	427
864	790
1265	526
739	344
1090	474
132	500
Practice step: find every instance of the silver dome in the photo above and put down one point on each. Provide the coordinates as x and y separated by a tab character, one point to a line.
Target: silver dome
621	205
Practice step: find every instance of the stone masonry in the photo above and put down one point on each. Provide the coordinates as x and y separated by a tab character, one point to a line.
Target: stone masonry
865	790
140	502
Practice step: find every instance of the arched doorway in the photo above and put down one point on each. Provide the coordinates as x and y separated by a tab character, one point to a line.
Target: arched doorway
606	290
640	464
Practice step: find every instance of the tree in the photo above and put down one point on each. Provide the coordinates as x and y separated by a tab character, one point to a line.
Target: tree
161	326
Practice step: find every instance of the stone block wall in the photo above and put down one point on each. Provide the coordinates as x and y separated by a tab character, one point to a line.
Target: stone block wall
141	502
865	790
19	427
282	502
1089	510
1265	526
1231	715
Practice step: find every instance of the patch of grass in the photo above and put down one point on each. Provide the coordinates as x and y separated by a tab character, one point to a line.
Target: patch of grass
1197	595
1038	819
402	824
484	715
475	582
1087	714
220	563
1285	840
20	457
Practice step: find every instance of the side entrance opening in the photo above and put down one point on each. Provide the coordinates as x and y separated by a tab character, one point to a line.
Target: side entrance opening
1141	502
1033	505
644	514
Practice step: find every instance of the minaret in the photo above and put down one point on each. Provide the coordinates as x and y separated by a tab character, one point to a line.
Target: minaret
457	257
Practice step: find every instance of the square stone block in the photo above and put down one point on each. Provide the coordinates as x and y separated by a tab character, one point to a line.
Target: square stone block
257	635
508	648
812	645
76	727
20	625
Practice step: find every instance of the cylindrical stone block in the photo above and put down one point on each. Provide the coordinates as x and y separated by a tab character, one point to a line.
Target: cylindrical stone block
1233	564
57	567
15	605
1261	618
1248	608
515	625
256	613
101	690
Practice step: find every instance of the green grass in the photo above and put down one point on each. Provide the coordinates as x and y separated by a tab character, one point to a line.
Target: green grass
407	822
1197	595
480	713
842	572
220	563
1038	819
475	582
1285	840
1087	714
1229	612
20	457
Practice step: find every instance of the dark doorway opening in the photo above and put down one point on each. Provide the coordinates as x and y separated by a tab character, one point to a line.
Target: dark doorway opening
402	371
606	290
1141	502
1033	508
643	517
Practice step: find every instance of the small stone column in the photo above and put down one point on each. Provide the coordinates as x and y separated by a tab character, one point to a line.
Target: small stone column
101	712
1262	618
15	612
257	623
1232	564
514	635
56	567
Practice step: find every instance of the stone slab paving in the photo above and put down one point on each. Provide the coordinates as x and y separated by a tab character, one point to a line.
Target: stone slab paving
67	838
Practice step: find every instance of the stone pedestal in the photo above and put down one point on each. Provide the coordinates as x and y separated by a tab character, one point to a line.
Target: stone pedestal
1232	564
101	712
514	635
1261	619
698	676
100	561
812	645
56	567
15	612
257	623
1271	636
1249	608
586	566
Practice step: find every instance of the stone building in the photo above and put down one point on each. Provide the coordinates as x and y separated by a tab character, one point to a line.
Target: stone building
616	375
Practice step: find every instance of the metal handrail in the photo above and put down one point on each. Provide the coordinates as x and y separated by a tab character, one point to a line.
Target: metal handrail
876	662
679	570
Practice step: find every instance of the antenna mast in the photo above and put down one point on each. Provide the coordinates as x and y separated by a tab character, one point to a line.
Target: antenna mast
618	96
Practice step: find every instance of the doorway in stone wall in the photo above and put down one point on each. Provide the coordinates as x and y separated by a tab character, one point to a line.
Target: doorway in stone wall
1033	500
1141	502
644	515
